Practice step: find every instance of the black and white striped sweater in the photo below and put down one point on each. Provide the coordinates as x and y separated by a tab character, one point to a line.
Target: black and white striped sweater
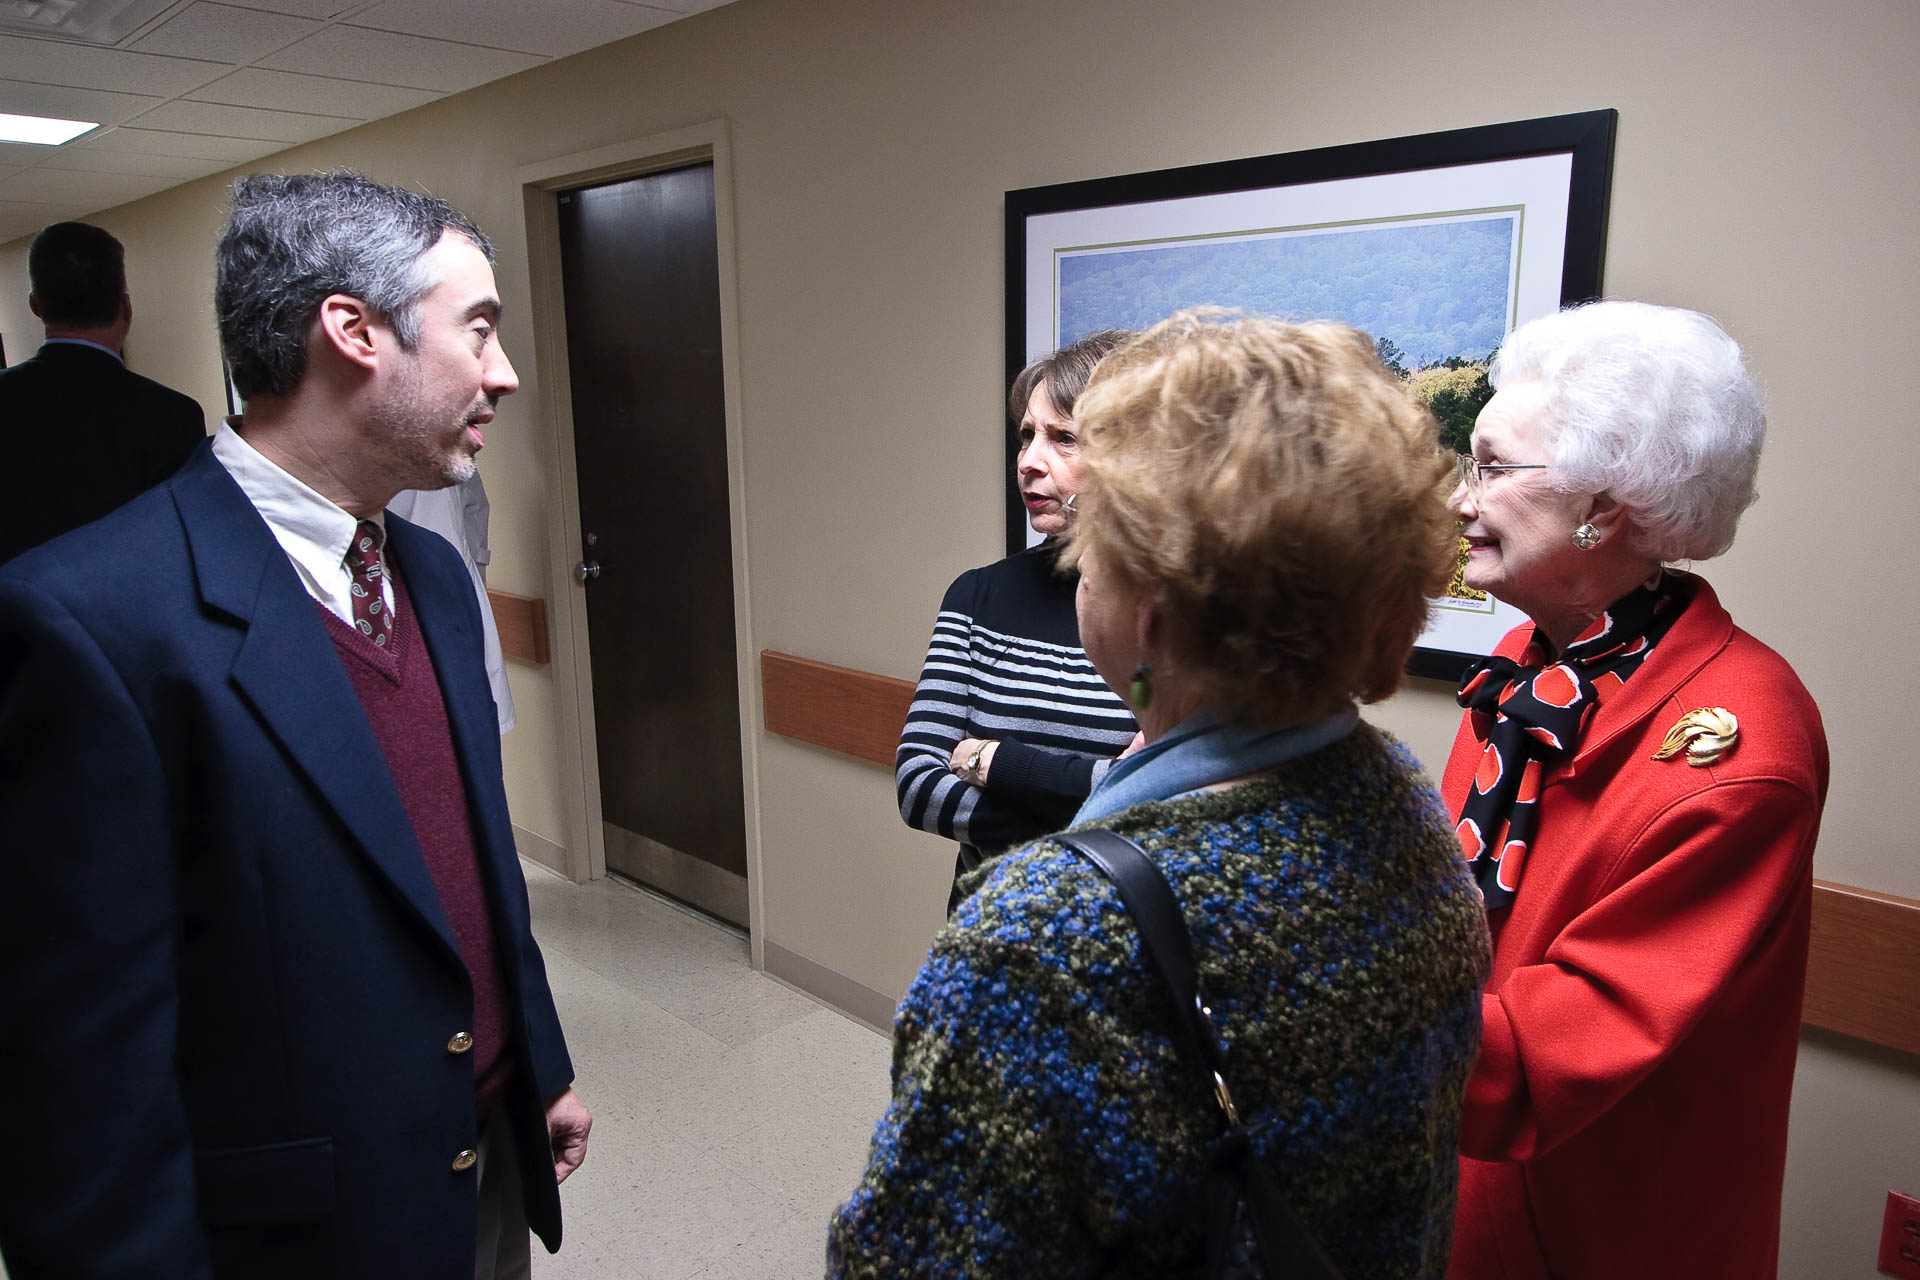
1005	663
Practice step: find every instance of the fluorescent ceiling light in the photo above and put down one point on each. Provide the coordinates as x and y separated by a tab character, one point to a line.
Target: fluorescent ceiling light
101	22
41	130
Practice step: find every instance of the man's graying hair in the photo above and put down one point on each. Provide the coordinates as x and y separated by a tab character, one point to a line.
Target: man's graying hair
293	240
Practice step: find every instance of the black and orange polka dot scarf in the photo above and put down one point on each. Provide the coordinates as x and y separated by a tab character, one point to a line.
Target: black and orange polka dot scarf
1531	713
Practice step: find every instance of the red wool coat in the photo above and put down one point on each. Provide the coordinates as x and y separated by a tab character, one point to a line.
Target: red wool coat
1627	1115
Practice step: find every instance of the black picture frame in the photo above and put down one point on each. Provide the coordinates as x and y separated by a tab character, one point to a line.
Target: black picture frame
1585	139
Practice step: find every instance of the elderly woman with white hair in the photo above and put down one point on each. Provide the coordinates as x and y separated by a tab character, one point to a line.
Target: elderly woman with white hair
1638	785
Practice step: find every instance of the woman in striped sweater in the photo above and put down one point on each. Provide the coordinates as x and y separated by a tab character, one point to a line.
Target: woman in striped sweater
1011	725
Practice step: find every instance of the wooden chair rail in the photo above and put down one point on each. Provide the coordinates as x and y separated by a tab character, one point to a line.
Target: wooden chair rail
838	708
522	622
1863	976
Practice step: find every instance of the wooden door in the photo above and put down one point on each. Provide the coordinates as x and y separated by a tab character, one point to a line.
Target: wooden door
640	269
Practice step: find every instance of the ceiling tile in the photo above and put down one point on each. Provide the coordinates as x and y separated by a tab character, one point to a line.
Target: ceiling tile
680	8
86	67
224	32
243	122
386	58
22	98
176	168
91	190
553	27
320	95
303	8
162	142
18	155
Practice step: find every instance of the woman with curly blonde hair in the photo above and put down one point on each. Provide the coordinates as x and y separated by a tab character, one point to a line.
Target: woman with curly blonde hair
1263	521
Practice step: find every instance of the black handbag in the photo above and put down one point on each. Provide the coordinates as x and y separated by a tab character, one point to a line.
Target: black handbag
1252	1232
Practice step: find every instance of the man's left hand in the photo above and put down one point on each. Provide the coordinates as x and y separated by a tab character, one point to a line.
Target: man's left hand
568	1121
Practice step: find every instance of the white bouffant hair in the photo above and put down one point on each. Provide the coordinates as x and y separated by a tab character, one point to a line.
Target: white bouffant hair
1652	405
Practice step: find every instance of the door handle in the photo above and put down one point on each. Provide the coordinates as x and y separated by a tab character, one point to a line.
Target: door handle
586	569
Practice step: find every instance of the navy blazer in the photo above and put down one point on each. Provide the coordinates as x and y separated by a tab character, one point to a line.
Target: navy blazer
82	434
226	982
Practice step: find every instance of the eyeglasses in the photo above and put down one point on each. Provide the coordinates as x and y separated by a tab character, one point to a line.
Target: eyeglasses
1473	473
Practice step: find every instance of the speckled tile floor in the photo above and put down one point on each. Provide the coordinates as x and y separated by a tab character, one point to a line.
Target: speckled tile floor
731	1114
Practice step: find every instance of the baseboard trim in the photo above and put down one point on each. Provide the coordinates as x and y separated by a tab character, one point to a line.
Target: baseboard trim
541	850
861	1003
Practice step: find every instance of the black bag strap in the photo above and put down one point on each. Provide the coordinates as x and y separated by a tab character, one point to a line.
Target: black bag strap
1286	1245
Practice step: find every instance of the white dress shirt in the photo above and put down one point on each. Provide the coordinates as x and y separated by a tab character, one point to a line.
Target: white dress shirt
313	532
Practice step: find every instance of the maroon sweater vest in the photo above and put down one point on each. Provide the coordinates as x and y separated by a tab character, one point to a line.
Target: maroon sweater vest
401	694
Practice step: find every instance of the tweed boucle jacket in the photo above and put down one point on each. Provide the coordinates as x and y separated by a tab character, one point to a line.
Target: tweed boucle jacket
1043	1122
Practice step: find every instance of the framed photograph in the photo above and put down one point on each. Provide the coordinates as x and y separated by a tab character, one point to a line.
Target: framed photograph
1436	245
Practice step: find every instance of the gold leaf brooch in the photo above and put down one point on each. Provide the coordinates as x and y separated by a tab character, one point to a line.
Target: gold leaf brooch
1706	735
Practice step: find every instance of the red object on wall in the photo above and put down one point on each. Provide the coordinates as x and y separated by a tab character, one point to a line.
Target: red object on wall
1900	1237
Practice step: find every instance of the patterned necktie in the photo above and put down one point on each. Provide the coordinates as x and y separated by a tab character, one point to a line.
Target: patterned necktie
371	618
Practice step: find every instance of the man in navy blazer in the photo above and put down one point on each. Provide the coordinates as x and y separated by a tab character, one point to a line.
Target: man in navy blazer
82	433
271	1002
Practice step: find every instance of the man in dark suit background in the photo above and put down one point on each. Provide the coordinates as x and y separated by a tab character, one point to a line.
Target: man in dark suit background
81	432
270	999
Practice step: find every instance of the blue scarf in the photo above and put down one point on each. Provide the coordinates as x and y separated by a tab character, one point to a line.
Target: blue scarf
1199	752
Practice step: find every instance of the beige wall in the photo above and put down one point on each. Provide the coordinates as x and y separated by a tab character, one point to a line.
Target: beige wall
1764	174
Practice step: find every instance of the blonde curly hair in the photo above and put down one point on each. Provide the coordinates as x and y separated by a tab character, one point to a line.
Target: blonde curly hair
1279	494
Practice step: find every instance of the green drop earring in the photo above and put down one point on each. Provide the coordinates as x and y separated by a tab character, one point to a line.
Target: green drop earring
1140	692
